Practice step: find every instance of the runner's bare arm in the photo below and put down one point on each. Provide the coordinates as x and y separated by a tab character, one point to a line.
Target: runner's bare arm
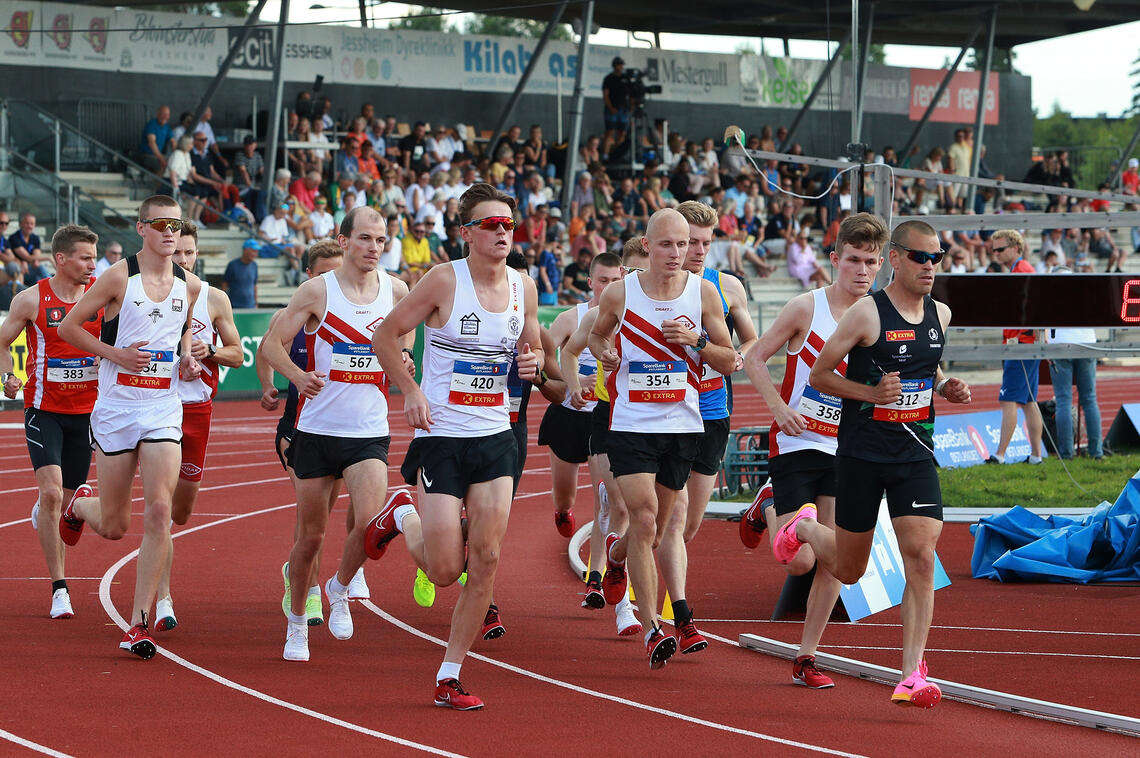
955	390
188	366
21	313
610	307
532	356
568	357
787	329
269	392
399	292
859	326
222	314
718	353
305	307
553	388
738	307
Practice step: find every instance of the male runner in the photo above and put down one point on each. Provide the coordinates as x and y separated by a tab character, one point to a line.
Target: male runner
323	256
610	513
893	342
716	405
62	383
475	312
147	302
659	317
213	320
802	440
565	427
342	418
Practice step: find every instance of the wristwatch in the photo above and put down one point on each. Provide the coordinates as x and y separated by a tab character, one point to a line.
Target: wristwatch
212	349
702	341
409	351
6	376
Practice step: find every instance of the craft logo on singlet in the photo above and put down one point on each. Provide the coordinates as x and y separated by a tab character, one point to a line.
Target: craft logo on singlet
469	325
55	316
155	315
176	304
900	335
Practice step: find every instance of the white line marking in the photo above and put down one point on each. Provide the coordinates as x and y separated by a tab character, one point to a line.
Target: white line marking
985	652
856	625
46	578
32	745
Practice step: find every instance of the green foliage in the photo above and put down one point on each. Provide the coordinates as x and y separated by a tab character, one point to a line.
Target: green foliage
1044	486
503	26
1100	138
1002	62
425	19
235	8
877	54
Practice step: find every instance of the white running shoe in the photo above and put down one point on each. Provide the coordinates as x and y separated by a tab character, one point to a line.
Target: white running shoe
61	604
296	642
603	508
358	587
36	517
627	623
340	617
164	619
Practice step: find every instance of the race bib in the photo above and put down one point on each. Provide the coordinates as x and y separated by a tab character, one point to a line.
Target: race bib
657	382
355	364
588	380
821	411
912	405
478	384
72	373
155	376
711	380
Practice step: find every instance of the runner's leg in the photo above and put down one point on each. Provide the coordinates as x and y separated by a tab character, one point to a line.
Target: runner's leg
367	483
312	519
917	537
109	515
824	587
158	464
52	497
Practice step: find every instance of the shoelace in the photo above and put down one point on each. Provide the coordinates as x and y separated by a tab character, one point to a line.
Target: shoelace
455	685
808	667
688	629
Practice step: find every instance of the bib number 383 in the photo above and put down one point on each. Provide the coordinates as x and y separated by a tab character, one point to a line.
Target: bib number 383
478	384
913	403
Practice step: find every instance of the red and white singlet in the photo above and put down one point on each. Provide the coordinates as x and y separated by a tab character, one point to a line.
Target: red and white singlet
202	328
61	377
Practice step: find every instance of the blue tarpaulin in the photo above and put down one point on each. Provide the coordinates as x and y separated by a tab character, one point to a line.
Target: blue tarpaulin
1019	545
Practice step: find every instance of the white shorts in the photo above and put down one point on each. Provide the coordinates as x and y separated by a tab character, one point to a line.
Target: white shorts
118	430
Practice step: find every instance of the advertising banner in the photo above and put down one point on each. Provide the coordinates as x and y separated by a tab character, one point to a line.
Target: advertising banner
786	82
967	439
959	103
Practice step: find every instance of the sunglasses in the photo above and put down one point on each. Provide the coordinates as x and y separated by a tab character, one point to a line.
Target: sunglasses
163	224
491	223
921	256
1001	249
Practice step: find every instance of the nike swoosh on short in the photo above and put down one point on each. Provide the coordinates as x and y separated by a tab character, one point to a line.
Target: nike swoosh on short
423	475
916	504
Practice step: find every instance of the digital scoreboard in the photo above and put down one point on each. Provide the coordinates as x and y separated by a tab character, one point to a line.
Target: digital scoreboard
1039	301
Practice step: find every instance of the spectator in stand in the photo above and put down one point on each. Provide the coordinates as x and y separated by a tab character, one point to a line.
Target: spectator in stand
1130	179
1046	171
301	160
156	141
620	224
112	254
179	168
708	162
973	243
556	230
1048	263
576	278
508	185
323	113
681	181
184	127
417	253
795	173
10	286
590	239
413	150
534	152
582	195
452	244
347	203
1101	204
366	161
347	160
615	99
442	147
279	192
780	231
802	263
1055	241
323	224
274	229
533	229
1102	246
240	279
960	154
738	192
959	261
320	155
392	259
305	189
303	105
249	173
1082	371
10	263
534	194
549	275
655	198
419	194
1019	377
203	174
300	225
504	157
511	139
591	151
204	127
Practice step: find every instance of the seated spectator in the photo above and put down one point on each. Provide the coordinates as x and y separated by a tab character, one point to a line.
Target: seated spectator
501	165
1101	204
240	279
417	253
509	185
10	285
304	189
802	264
111	255
206	128
556	231
959	261
184	128
1130	178
302	160
156	141
681	181
348	202
392	257
179	167
249	174
549	275
780	231
366	161
320	155
26	246
347	160
442	147
631	200
452	244
533	229
511	139
279	191
583	193
590	239
1056	241
323	223
1102	246
413	150
619	225
534	152
203	174
300	225
655	197
275	230
1048	263
576	278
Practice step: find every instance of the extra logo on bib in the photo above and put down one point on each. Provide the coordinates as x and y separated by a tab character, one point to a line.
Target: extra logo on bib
516	392
355	364
913	404
72	373
478	384
657	381
711	380
821	411
588	381
155	375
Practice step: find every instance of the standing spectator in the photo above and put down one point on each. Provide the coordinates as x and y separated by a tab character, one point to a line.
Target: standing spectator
111	255
205	128
1019	378
413	150
240	278
249	173
1083	371
26	246
306	189
615	97
960	155
156	140
324	225
1130	179
549	276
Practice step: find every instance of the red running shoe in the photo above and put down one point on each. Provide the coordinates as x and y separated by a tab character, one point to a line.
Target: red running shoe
660	648
492	627
689	639
450	694
137	640
71	527
804	672
564	522
382	528
752	521
614	581
594	599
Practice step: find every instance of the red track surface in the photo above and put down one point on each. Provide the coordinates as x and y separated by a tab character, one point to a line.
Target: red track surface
560	677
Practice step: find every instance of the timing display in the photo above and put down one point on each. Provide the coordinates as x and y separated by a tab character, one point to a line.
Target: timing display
1040	301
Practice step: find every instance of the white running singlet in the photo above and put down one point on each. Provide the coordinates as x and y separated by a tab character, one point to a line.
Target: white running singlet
466	361
587	371
353	402
654	390
201	328
821	411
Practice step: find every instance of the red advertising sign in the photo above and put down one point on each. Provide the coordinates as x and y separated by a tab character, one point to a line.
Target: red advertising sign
959	103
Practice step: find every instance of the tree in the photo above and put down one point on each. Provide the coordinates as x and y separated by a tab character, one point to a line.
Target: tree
503	26
877	53
427	19
235	8
1135	74
1002	61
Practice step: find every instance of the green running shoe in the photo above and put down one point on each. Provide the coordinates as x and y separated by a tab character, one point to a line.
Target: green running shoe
285	602
314	610
423	590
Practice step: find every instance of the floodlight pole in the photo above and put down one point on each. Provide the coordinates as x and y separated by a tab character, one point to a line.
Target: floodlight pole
905	151
856	70
576	111
814	92
980	120
278	95
224	69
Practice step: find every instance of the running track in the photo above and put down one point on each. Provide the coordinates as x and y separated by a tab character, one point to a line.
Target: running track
559	680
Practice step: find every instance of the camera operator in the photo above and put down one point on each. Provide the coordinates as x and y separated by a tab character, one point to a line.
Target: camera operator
615	95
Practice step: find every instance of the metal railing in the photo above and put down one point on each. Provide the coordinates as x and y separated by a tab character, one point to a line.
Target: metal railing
1092	165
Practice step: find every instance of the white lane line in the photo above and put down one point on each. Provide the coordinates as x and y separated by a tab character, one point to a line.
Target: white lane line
856	625
113	613
986	652
46	578
31	745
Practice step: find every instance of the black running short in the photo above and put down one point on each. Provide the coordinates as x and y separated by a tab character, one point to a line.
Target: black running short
710	451
519	430
449	465
599	428
60	439
313	456
669	456
912	489
800	477
566	432
285	436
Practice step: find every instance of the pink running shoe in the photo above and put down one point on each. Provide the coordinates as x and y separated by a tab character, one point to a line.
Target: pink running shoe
786	544
752	521
382	528
917	691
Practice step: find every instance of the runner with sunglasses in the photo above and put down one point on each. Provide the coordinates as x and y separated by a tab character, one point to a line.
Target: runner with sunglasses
148	308
476	312
892	342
